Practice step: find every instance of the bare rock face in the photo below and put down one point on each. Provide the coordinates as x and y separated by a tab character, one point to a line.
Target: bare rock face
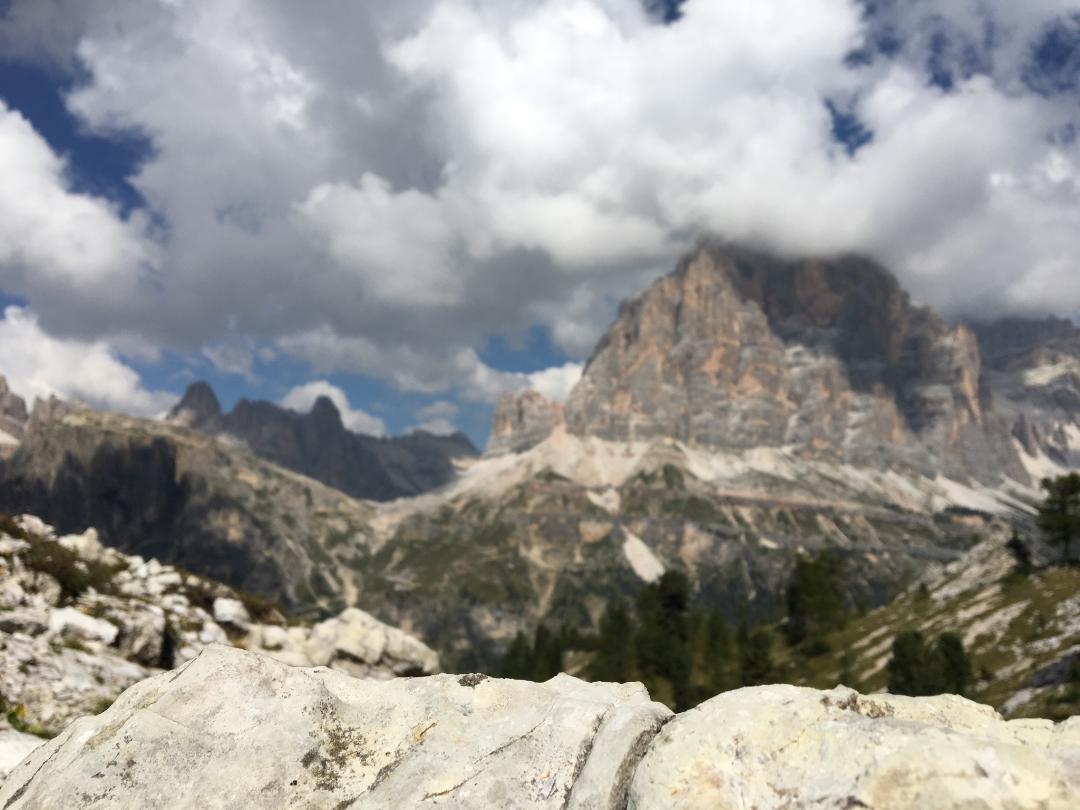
739	350
1033	368
522	421
779	747
13	415
235	729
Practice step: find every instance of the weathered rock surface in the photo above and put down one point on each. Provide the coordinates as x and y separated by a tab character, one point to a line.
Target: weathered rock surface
159	490
318	444
234	729
15	746
79	623
738	349
13	417
522	421
791	747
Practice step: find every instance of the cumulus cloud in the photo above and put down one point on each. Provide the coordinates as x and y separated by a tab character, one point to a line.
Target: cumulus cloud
378	189
39	366
54	238
302	398
557	382
437	418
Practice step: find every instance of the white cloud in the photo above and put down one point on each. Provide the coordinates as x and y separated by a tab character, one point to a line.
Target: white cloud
557	382
52	237
380	188
437	418
39	366
302	398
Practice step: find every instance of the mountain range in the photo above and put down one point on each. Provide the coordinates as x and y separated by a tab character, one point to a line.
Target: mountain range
318	444
742	411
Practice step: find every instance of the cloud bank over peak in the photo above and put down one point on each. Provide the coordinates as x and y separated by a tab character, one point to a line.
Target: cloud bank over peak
379	190
303	397
37	365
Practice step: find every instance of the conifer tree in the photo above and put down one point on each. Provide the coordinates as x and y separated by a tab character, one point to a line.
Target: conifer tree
1059	515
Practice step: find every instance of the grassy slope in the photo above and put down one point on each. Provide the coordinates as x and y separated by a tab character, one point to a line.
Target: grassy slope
1012	626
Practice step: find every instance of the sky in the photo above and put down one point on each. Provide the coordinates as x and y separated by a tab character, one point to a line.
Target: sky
413	207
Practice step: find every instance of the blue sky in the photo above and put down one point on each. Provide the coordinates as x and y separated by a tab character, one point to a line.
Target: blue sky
431	203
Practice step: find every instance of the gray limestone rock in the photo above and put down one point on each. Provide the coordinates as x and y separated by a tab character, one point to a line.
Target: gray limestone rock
522	421
779	747
235	729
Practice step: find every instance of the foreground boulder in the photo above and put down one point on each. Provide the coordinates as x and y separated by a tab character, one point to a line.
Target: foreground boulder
14	747
788	746
237	729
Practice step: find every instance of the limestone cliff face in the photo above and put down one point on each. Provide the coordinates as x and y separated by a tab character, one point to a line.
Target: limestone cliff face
1033	369
13	416
737	349
522	421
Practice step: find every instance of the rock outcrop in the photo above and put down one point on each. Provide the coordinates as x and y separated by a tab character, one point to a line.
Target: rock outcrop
13	416
1033	369
160	490
829	359
317	444
236	729
521	421
791	747
79	623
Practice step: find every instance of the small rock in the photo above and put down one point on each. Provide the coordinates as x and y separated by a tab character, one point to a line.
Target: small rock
73	625
10	546
231	612
29	621
86	545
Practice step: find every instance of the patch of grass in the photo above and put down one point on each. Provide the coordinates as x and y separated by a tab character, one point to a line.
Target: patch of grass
76	576
16	717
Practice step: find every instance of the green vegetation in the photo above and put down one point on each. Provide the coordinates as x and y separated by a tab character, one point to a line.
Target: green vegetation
75	576
683	657
1021	554
916	668
1059	514
15	714
817	600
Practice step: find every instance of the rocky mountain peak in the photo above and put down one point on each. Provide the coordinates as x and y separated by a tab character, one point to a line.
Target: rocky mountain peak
325	416
738	349
199	405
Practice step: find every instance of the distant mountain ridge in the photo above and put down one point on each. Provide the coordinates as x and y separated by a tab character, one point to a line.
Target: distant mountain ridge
317	444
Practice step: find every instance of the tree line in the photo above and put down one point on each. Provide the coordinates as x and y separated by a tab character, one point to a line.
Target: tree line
685	655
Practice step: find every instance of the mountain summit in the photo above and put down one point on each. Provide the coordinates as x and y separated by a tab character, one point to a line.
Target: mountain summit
826	359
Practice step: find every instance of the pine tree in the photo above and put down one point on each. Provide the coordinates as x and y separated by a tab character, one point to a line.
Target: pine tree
1059	515
911	666
517	662
546	656
719	655
755	658
954	664
615	653
816	598
1020	552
